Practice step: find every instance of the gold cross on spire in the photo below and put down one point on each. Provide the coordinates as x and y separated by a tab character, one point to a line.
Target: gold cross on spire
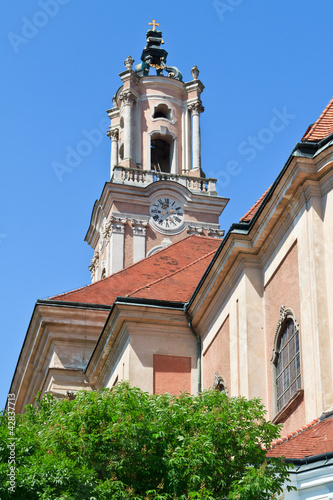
154	24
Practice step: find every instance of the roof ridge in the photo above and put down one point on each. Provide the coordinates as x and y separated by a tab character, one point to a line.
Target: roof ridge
293	434
173	273
312	128
130	266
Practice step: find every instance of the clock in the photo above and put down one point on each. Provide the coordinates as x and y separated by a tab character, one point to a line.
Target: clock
167	213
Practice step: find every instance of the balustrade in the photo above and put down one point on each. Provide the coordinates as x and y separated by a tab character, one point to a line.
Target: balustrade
126	175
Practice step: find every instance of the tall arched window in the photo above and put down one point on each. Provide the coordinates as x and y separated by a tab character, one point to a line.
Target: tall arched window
286	358
160	155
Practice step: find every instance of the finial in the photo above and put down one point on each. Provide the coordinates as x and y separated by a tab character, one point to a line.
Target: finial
153	56
129	63
195	72
154	24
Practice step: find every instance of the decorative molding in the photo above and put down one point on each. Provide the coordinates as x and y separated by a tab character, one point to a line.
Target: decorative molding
219	384
94	265
139	227
196	107
117	224
103	270
215	233
194	230
128	97
285	313
113	133
104	234
107	230
171	119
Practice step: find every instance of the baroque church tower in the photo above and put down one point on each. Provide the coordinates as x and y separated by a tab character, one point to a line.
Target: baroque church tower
250	315
158	192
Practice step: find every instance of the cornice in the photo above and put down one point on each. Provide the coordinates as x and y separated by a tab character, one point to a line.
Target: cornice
194	85
46	326
162	98
126	311
64	373
232	248
142	196
106	367
161	81
280	207
130	76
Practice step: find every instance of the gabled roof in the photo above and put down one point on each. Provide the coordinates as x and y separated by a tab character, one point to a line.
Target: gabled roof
170	274
310	440
323	127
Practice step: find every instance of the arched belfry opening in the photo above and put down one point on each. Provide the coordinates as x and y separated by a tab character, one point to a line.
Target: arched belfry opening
160	155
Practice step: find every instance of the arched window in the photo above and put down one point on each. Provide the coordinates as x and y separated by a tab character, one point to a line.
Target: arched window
286	358
160	155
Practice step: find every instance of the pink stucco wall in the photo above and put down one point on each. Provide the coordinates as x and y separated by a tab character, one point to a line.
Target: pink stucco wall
282	289
172	374
216	358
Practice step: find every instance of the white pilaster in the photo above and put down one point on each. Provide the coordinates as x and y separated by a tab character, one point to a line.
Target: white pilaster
196	109
113	134
117	243
139	239
128	99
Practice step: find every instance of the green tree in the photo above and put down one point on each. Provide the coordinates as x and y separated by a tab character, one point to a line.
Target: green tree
126	444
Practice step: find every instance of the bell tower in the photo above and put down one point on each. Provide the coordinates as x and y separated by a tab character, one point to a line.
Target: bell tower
158	192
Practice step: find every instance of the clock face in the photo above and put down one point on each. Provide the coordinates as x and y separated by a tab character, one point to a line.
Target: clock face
167	213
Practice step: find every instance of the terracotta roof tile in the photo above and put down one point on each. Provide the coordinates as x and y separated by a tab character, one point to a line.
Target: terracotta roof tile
323	127
251	213
170	274
174	283
309	440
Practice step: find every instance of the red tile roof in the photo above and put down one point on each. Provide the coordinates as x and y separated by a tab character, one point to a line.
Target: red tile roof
323	127
310	440
251	213
170	274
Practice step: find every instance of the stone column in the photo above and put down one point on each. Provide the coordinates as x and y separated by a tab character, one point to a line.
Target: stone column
113	134
128	99
139	239
117	244
196	109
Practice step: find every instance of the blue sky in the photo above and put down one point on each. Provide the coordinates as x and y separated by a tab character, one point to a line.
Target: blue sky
267	75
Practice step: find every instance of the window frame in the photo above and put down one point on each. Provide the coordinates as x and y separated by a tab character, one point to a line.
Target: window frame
286	315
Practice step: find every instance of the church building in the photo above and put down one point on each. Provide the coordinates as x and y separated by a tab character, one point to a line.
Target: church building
174	304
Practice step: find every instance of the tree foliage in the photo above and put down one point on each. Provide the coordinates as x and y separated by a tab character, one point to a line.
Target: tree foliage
126	444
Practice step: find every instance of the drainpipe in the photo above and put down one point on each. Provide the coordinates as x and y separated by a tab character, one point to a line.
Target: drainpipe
189	320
